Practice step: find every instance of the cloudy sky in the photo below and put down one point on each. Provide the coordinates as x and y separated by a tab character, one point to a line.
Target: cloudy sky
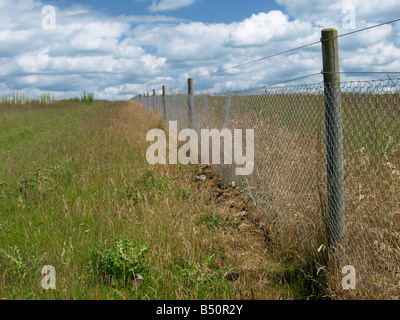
121	48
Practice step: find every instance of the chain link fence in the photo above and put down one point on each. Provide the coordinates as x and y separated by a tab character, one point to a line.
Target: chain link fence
290	177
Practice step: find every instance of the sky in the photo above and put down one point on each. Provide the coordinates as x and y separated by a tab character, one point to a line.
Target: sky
118	49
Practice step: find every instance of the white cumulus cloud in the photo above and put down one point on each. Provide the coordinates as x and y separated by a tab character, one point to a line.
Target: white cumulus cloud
118	57
165	5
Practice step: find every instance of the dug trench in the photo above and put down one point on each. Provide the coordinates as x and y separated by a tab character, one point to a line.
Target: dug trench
242	232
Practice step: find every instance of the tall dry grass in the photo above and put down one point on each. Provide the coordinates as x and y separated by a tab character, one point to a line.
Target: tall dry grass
289	181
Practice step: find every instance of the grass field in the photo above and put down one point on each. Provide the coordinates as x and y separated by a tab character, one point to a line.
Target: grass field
76	193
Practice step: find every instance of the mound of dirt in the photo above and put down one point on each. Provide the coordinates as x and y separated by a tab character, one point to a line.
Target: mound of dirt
237	206
214	190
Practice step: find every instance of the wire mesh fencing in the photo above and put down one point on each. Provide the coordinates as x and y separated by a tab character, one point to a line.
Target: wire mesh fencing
371	117
290	180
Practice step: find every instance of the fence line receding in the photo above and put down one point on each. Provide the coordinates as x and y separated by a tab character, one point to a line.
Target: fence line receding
326	166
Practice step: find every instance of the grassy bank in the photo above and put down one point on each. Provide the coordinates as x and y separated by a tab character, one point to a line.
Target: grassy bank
77	193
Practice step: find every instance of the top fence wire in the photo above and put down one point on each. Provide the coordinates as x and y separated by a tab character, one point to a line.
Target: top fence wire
289	181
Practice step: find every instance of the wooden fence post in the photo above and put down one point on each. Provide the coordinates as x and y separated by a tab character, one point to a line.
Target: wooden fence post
164	103
191	103
334	141
154	100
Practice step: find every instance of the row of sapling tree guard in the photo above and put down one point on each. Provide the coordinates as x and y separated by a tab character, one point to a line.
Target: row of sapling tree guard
21	98
46	98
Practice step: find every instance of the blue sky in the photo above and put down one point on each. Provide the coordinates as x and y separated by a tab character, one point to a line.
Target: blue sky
118	49
207	11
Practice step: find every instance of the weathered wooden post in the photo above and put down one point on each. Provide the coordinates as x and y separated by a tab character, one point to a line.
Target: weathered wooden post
207	111
191	103
227	110
334	141
154	100
164	94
